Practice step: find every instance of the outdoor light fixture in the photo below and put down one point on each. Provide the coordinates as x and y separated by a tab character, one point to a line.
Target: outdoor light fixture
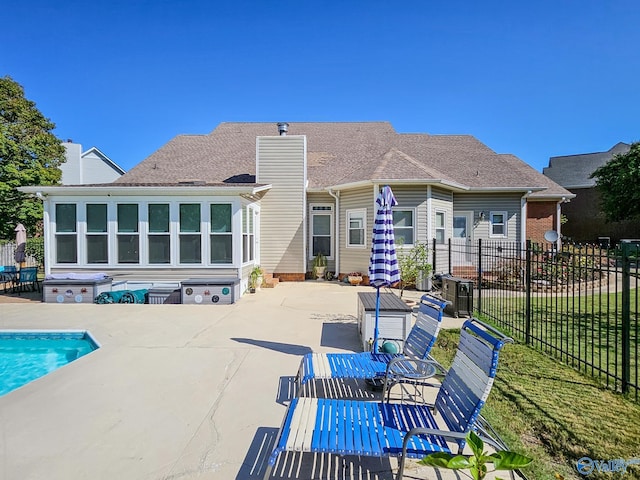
481	215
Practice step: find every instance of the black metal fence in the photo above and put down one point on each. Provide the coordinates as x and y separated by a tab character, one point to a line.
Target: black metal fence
578	303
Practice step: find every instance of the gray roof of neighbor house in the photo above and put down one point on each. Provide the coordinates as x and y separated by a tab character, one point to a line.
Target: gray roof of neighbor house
573	171
340	154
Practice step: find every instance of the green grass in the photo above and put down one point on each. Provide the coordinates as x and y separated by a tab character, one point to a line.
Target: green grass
584	331
554	414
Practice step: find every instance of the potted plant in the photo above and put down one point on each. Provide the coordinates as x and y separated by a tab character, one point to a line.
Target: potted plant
420	254
319	265
355	278
255	278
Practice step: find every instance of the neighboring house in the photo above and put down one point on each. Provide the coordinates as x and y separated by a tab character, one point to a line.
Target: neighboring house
248	193
91	166
585	220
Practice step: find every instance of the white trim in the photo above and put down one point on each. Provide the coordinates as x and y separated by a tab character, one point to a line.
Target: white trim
331	212
143	232
505	223
429	213
155	190
348	213
413	226
444	226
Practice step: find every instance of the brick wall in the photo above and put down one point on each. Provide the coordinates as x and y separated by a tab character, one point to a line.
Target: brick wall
541	217
586	221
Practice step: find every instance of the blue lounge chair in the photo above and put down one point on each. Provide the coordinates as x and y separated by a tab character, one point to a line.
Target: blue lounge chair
27	277
372	365
383	429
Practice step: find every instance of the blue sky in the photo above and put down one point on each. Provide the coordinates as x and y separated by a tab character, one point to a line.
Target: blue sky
535	79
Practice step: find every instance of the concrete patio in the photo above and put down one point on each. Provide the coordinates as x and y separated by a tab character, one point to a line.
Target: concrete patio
178	391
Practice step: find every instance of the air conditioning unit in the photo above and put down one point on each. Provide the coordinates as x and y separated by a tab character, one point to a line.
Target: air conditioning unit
459	293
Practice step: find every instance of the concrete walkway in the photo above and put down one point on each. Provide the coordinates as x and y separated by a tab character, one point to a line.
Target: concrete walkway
178	391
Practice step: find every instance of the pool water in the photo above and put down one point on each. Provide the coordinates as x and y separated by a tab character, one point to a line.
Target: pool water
26	356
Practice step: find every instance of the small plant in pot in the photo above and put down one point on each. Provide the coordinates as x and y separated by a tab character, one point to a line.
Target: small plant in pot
355	278
255	278
319	265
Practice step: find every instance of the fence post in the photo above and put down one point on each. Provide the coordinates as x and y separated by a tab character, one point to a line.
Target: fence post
433	253
626	312
450	263
527	286
480	275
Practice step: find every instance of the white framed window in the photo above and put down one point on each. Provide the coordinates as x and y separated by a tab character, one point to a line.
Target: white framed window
441	229
159	236
190	233
221	237
356	227
321	226
128	236
404	226
97	236
66	233
498	224
248	235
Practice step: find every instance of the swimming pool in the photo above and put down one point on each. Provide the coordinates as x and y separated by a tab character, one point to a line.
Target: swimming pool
28	355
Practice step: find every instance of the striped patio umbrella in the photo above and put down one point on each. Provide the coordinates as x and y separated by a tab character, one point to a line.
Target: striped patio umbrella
383	265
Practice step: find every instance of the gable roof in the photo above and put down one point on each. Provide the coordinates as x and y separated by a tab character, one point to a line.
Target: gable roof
340	154
573	171
105	159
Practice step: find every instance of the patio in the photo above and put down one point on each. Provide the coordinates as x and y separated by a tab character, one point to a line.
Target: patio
178	391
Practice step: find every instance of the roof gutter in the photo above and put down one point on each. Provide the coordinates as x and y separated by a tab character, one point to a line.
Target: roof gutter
156	190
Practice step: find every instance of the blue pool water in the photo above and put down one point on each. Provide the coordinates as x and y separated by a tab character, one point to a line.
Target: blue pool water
25	356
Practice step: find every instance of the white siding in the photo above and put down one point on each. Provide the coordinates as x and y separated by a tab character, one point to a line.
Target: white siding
281	162
441	201
487	203
356	259
322	199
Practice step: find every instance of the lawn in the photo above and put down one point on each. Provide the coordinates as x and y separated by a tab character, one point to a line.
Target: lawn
556	415
584	331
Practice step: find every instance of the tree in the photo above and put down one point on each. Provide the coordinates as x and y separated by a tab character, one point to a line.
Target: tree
618	182
29	155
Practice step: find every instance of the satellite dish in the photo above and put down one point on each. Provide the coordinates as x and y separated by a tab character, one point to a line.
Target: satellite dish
551	236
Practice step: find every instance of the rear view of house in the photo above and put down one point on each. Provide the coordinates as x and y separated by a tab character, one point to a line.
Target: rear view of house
279	194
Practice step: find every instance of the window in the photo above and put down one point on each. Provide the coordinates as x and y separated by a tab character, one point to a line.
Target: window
403	227
321	230
190	237
97	235
498	222
159	236
356	227
220	236
66	233
440	227
247	235
128	237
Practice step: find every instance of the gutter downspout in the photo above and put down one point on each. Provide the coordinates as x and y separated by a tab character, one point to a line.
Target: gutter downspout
523	221
558	221
336	196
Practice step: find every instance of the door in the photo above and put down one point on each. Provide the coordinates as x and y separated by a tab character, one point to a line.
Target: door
463	234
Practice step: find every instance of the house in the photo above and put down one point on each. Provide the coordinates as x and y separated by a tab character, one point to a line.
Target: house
276	195
586	222
91	166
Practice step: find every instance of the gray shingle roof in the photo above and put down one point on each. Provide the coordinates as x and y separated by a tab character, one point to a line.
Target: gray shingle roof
573	171
338	154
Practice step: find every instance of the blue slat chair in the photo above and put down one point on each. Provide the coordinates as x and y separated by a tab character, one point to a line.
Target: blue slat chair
27	277
382	429
372	365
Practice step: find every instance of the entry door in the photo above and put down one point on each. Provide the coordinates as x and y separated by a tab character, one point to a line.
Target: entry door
463	233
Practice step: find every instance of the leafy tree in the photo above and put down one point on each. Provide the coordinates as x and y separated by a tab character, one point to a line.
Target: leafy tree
29	155
618	182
